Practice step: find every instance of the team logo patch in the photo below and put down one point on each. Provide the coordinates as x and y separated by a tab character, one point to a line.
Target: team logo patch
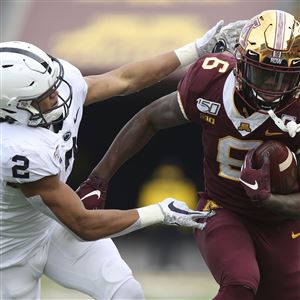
208	107
245	127
67	136
57	154
210	204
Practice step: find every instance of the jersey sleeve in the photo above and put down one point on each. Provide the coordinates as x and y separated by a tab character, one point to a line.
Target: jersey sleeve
204	80
75	78
32	159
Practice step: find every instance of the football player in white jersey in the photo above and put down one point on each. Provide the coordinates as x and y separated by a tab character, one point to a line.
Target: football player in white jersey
45	228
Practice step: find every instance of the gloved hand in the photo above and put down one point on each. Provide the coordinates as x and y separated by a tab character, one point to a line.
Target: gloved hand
256	182
179	214
219	38
92	192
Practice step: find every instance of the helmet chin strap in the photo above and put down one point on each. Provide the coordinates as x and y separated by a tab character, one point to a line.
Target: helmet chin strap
291	127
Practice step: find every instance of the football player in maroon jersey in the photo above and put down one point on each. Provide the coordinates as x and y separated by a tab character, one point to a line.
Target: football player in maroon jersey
239	100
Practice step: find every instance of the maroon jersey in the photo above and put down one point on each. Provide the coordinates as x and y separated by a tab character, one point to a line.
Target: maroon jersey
206	94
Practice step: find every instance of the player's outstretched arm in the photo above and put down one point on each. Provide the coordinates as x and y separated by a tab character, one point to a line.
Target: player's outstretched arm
135	76
162	113
60	202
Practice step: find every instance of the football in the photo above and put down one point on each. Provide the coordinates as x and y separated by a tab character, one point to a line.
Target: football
283	166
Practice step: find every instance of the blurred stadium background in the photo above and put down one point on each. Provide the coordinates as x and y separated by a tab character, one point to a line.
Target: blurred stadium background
97	36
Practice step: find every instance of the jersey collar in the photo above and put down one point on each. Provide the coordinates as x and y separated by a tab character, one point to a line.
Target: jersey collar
244	125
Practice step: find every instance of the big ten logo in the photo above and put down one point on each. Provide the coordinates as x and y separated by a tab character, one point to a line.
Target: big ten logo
207	118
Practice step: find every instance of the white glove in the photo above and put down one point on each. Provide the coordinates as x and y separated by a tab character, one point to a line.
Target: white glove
179	214
228	35
206	43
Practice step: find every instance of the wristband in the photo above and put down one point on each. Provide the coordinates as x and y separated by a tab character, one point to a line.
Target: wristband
150	215
187	54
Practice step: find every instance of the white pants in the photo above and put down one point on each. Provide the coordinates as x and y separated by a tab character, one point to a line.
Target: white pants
94	268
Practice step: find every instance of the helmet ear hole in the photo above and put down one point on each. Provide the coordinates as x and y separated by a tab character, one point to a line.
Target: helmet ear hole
29	75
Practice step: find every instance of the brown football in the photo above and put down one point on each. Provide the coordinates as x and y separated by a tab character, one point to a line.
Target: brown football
283	166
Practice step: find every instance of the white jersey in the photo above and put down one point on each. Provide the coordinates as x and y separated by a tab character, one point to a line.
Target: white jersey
29	154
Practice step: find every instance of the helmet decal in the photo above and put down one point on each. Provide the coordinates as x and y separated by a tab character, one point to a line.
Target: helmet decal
253	23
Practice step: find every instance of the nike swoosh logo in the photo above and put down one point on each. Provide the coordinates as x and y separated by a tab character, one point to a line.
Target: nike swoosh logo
251	186
270	133
172	207
252	53
295	235
97	193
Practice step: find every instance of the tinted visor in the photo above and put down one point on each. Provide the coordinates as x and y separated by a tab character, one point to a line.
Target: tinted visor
270	80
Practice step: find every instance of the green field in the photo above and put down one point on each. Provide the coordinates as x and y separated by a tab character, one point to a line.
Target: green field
157	286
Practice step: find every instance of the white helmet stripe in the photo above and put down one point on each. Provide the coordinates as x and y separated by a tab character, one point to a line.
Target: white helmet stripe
279	32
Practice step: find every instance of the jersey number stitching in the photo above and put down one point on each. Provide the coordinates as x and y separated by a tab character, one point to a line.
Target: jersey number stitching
214	62
19	170
229	165
70	153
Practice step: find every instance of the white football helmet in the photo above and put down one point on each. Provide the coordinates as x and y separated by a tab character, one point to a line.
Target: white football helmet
28	76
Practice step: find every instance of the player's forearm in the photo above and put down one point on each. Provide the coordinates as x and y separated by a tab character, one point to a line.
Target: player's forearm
144	73
97	224
59	202
147	72
285	205
134	135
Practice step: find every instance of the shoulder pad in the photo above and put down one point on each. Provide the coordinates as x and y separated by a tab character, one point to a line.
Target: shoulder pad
29	154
